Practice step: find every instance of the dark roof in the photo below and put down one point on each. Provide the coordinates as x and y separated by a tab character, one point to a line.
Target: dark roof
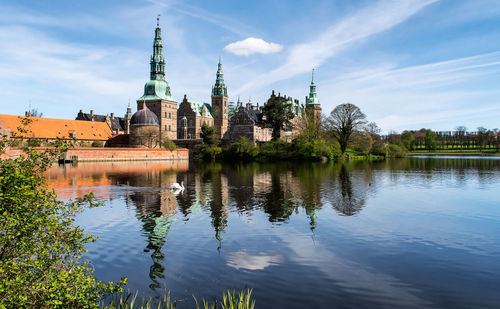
144	117
116	122
255	115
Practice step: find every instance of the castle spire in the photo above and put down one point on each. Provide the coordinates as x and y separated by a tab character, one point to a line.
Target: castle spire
219	89
312	99
157	60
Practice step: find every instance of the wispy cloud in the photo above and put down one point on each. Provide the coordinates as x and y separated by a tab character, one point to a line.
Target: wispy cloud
251	46
361	25
434	95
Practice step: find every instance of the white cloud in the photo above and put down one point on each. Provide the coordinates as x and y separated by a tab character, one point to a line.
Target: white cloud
244	260
364	23
251	46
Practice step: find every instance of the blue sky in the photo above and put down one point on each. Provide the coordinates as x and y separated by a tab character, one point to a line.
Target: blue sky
407	64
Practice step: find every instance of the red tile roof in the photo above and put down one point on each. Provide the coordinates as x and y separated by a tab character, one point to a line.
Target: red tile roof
58	128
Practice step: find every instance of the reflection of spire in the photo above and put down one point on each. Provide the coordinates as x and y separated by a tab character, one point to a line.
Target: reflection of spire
313	215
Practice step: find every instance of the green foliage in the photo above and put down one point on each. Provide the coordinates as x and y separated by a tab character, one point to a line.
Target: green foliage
395	151
430	140
343	121
97	144
361	141
408	140
230	300
129	301
169	144
208	135
277	113
242	149
41	263
33	142
314	149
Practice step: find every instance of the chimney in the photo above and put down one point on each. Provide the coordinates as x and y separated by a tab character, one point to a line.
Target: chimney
249	106
279	94
185	98
81	112
272	94
112	115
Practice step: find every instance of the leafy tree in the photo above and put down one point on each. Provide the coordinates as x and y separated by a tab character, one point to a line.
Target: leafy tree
483	137
361	141
243	149
41	263
277	113
309	127
430	140
343	121
408	140
208	135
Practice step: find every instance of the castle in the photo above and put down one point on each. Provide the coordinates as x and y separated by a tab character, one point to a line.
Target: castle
158	111
159	117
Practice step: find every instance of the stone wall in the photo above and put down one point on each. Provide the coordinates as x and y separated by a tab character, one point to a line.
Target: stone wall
115	154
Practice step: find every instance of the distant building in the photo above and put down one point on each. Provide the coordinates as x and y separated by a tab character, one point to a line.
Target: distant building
247	122
144	129
157	96
191	116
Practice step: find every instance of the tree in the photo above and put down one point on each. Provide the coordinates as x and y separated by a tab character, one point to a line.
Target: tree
277	113
309	127
343	121
373	129
483	137
41	263
408	140
361	141
430	140
208	135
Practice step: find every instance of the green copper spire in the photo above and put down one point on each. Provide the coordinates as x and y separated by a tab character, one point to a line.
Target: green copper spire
157	88
312	99
157	60
219	89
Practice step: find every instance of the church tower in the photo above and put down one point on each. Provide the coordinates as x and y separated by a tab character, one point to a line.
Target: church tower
220	103
312	103
157	95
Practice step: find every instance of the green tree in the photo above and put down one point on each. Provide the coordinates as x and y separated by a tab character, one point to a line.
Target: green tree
430	140
208	135
408	140
41	263
483	137
343	121
277	113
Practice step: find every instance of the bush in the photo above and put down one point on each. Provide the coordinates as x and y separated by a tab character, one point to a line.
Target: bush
97	144
41	263
169	144
315	149
395	151
242	149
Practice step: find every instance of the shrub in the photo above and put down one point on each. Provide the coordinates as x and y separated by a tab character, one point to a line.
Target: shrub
169	144
242	149
41	263
395	151
97	144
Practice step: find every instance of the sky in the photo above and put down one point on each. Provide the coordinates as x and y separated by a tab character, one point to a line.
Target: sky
407	64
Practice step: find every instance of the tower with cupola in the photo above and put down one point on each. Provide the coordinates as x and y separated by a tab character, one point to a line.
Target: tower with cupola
220	103
312	102
157	96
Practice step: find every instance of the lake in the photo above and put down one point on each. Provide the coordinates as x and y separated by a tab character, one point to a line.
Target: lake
408	233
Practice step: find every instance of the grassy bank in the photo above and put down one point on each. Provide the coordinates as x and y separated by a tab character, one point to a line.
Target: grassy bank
461	153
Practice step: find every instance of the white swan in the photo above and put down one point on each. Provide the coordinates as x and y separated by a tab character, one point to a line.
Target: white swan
176	186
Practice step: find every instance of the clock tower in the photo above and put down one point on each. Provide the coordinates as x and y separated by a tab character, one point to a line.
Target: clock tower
220	103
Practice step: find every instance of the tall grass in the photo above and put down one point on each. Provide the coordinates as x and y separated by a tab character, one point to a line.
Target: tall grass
230	300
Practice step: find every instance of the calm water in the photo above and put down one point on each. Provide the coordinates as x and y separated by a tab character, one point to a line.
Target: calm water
412	233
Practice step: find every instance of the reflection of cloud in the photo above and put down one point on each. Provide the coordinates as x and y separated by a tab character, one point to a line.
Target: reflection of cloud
242	259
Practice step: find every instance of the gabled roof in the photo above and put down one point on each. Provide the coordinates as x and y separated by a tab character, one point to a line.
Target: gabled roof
197	107
117	123
58	128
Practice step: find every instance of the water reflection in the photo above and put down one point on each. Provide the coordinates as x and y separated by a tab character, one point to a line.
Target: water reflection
290	202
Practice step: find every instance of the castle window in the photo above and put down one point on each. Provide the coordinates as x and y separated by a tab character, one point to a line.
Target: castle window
169	128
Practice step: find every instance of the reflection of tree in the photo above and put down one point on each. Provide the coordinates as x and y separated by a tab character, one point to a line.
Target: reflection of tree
155	209
348	196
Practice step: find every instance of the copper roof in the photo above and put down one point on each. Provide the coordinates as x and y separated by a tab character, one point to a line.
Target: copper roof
58	128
